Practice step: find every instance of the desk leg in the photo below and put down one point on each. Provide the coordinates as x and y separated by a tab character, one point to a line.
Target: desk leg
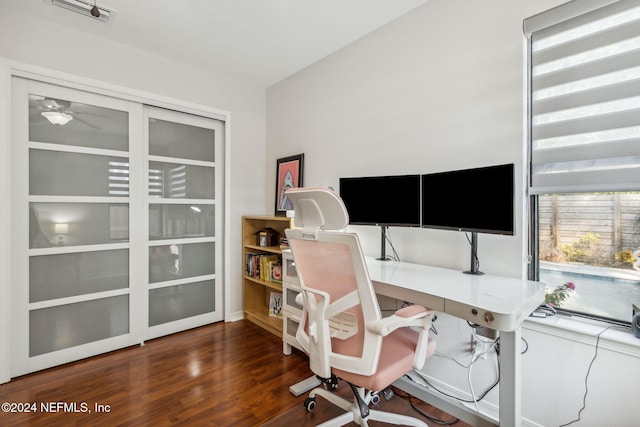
510	378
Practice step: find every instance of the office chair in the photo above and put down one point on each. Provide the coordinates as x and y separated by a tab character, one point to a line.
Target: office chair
341	328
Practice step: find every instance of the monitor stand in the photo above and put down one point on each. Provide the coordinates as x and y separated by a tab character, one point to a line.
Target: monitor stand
383	244
474	256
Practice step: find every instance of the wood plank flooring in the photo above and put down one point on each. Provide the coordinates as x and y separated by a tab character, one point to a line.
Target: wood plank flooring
217	375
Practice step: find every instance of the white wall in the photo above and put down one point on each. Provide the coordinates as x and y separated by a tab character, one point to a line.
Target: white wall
54	47
439	89
442	88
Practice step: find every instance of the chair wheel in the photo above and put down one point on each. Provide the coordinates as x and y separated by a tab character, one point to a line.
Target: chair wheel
375	398
310	404
334	383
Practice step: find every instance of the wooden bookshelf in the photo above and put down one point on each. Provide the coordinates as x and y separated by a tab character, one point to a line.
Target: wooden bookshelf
256	292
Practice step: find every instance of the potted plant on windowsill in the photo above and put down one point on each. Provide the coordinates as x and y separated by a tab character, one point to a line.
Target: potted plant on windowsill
556	297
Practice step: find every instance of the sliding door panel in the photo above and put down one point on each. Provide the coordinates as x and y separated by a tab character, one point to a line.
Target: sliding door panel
173	262
184	213
171	221
76	224
69	325
72	296
72	174
55	120
194	141
118	219
180	181
68	275
181	301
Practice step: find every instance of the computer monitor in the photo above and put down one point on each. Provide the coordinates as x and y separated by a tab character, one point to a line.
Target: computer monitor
383	201
479	200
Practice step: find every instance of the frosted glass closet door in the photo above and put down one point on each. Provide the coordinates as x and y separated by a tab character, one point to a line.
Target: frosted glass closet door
185	175
73	157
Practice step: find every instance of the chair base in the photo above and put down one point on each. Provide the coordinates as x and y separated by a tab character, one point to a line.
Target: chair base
352	411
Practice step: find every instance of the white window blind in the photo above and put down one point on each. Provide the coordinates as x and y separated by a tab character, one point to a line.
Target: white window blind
585	97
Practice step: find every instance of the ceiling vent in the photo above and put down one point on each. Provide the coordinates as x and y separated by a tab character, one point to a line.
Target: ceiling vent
89	9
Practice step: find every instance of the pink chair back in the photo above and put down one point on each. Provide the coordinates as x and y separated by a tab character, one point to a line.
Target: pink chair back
335	286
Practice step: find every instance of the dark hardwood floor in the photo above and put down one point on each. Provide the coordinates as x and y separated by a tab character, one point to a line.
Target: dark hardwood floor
217	375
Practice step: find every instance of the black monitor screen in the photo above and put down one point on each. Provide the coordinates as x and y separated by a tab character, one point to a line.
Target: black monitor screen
477	200
382	200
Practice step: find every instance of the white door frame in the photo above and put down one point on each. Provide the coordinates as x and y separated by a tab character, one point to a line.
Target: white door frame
9	69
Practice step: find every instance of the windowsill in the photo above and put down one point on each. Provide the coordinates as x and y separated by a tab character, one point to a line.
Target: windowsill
585	331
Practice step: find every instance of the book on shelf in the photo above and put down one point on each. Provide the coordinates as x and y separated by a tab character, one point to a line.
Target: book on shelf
284	243
275	305
275	272
264	267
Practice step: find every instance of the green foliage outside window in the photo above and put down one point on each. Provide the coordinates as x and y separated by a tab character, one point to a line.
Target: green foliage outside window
582	249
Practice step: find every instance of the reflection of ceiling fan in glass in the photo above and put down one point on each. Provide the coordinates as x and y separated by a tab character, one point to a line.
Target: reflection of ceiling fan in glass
56	111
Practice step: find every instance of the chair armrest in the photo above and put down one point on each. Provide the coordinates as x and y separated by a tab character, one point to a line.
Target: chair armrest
413	315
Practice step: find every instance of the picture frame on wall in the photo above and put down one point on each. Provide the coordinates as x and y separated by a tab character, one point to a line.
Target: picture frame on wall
288	175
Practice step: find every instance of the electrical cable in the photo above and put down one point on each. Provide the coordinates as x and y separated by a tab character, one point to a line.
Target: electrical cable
395	256
473	393
473	327
586	378
424	414
496	346
460	399
476	260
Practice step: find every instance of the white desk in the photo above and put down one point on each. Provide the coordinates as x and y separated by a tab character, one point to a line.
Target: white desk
499	303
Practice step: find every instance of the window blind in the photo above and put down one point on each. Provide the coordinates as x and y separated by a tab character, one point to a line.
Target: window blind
584	97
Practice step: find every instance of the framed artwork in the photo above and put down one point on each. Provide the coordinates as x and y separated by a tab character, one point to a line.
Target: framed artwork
288	175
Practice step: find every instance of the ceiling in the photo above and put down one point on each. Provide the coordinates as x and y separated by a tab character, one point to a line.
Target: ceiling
258	41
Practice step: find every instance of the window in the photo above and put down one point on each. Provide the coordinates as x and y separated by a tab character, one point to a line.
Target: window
584	154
